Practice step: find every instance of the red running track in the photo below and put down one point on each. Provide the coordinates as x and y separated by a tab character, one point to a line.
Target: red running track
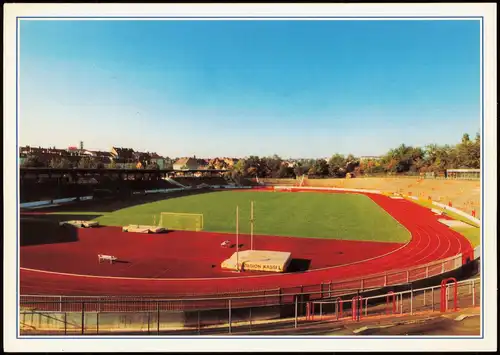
180	255
431	241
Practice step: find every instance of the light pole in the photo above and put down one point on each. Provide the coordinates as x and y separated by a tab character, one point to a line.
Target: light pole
251	225
237	240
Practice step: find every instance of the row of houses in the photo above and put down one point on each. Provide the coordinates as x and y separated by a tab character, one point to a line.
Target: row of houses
212	164
119	157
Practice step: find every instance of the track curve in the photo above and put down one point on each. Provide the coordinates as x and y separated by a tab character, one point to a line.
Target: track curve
431	241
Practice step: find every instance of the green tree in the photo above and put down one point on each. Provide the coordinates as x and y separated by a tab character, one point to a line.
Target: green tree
153	166
32	161
321	166
468	153
336	166
60	163
272	165
299	170
313	171
305	165
87	163
239	167
285	172
476	153
351	164
255	167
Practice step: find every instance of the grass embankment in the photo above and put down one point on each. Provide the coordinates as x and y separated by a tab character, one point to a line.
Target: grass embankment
473	234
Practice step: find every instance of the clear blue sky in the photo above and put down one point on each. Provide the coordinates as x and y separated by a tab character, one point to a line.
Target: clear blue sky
235	88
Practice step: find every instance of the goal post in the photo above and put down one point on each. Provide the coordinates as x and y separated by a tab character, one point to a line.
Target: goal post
181	221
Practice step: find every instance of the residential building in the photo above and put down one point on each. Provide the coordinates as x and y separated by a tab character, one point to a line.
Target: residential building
125	154
158	160
123	157
186	164
369	157
103	157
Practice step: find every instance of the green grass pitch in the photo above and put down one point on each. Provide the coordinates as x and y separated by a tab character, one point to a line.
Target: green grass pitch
313	215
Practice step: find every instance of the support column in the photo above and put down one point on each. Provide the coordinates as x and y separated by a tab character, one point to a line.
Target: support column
296	310
250	319
83	318
411	302
158	318
473	294
198	324
229	316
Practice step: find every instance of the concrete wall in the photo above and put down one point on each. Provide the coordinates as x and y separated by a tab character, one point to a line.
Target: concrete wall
71	322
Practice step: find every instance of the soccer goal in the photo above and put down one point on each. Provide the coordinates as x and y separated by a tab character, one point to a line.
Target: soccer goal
181	221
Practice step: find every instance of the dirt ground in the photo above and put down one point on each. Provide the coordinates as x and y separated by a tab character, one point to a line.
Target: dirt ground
425	324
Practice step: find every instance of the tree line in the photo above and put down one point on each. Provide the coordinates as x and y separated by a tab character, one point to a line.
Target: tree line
404	159
88	162
401	160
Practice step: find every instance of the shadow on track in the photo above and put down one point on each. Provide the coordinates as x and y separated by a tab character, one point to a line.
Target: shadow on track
298	265
38	231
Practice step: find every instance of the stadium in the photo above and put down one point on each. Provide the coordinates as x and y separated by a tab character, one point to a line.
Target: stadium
206	255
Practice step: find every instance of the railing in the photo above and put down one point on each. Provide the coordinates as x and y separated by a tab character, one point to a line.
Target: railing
166	317
263	297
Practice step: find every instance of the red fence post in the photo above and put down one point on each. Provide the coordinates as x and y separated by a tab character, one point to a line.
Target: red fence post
444	299
353	308
455	302
389	294
360	314
339	305
357	307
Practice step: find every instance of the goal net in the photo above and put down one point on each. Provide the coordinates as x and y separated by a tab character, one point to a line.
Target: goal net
181	221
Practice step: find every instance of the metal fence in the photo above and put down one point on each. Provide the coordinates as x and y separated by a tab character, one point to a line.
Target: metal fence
261	297
247	298
230	317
